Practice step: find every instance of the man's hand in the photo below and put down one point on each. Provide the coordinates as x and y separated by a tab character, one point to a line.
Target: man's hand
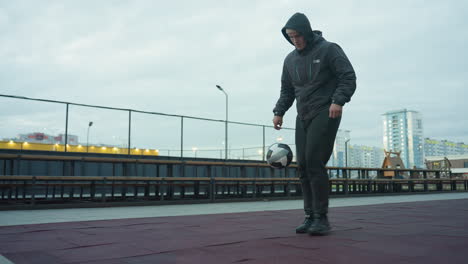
277	122
335	111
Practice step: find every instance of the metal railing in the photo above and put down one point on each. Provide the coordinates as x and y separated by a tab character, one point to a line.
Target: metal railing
46	189
246	152
31	178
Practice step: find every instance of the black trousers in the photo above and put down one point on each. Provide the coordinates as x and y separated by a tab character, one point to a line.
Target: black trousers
314	145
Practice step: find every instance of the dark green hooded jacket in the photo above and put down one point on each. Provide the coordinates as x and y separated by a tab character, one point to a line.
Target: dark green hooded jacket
316	76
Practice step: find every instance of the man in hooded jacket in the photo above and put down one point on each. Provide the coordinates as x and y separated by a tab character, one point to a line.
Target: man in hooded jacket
318	75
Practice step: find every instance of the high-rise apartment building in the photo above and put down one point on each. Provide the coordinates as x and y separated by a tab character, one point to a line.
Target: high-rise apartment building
365	156
403	131
338	157
434	147
344	154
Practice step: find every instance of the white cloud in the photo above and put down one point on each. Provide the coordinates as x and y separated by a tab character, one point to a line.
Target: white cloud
167	57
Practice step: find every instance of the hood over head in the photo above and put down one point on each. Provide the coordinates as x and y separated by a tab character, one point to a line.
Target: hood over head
301	24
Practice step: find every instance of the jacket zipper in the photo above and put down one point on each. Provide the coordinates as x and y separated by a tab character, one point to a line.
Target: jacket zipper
297	73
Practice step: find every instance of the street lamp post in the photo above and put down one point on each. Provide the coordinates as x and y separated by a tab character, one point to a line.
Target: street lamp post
226	124
87	137
346	152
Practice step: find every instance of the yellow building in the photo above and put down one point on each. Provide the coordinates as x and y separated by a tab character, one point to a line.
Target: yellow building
76	148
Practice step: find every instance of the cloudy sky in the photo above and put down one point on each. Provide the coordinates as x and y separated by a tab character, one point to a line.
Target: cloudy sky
167	56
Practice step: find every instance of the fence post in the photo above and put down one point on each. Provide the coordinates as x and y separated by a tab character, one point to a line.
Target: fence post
346	184
212	186
33	193
129	130
439	182
263	148
182	164
181	137
103	189
66	127
93	189
426	187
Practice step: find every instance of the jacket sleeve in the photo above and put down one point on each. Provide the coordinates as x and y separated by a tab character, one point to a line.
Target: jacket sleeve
287	95
344	72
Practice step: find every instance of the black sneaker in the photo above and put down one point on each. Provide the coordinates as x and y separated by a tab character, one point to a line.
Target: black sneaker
320	226
305	226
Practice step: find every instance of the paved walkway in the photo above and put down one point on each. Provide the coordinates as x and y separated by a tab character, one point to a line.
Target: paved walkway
429	228
22	217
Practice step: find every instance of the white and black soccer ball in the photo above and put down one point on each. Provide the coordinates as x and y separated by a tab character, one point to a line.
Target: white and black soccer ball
279	155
